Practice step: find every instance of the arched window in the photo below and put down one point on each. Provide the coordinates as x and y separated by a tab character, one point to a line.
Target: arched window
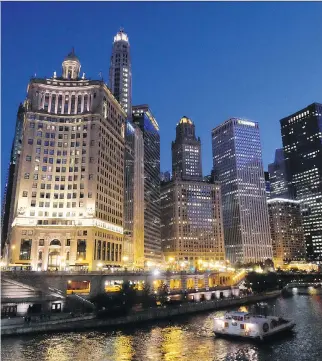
55	242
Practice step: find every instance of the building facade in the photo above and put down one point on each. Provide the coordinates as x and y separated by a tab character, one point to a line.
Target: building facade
186	152
191	223
280	187
267	185
237	159
134	196
11	181
121	72
191	217
302	145
68	203
142	117
285	218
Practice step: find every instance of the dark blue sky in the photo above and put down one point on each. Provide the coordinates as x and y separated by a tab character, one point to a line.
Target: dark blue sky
209	61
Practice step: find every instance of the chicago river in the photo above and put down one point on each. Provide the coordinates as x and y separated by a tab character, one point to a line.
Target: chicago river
184	338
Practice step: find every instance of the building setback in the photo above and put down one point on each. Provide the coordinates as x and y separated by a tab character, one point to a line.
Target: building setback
237	159
286	227
191	217
142	117
68	203
302	145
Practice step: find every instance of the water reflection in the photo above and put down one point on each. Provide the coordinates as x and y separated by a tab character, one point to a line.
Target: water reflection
182	339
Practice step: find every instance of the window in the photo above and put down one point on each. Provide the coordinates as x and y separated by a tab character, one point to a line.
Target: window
25	249
25	194
26	176
30	141
81	249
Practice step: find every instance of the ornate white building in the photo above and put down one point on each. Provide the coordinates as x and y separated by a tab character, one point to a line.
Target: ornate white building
68	203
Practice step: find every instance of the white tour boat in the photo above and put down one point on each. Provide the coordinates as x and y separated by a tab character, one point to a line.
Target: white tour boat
244	324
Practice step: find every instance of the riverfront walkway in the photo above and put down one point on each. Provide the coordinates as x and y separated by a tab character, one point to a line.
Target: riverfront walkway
91	322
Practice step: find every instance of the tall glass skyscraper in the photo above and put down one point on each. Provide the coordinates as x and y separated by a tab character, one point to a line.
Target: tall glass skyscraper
121	71
302	144
237	159
278	178
143	118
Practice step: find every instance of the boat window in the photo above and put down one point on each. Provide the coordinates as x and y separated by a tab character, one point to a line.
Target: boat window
242	326
238	318
226	324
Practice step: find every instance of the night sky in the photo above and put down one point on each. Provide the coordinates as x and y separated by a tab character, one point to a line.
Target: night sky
208	61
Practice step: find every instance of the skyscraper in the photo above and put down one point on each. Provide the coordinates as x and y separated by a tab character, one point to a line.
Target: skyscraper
280	187
191	217
302	145
267	185
186	152
134	196
237	159
143	118
10	186
286	227
121	72
68	203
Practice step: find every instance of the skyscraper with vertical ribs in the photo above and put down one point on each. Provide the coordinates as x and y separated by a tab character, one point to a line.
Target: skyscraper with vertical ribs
237	158
121	72
121	86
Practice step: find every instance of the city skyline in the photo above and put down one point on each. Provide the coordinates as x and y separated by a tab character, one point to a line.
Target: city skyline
266	99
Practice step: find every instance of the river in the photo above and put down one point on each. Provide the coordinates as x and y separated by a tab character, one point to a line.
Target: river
185	338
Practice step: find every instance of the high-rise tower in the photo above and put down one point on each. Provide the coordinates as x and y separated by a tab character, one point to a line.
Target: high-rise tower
191	216
186	152
11	179
121	72
302	145
145	121
237	157
67	211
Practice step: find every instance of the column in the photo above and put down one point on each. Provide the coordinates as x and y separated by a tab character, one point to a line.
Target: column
82	108
69	102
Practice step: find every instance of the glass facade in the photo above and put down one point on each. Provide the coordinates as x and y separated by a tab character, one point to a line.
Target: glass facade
237	159
302	145
144	119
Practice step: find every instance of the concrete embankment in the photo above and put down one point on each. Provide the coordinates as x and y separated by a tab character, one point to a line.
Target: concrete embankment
90	322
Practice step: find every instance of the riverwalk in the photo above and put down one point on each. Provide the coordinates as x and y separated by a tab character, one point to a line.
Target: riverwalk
91	322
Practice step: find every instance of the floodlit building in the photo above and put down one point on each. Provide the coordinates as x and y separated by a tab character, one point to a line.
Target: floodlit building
286	227
237	159
68	202
302	145
142	117
121	72
191	217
